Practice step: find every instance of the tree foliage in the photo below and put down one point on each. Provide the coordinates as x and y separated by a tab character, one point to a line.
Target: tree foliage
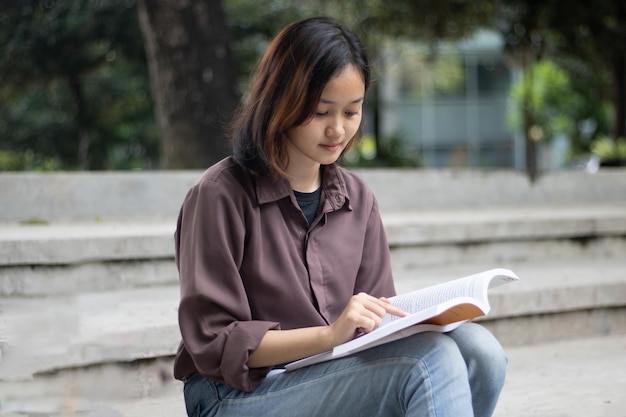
585	35
587	39
74	92
554	104
74	84
594	34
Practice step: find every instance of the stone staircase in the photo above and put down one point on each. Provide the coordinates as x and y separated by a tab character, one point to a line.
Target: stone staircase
88	286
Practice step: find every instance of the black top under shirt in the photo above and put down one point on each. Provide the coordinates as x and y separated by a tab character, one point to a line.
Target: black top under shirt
308	203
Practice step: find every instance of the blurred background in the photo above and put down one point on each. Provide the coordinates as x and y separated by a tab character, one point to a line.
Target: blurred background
132	97
144	85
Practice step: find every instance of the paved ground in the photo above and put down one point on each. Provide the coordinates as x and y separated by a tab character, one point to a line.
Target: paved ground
579	378
567	379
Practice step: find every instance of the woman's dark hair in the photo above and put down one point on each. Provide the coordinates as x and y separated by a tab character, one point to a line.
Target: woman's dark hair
287	87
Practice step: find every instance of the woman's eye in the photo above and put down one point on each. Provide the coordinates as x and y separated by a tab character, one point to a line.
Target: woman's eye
347	113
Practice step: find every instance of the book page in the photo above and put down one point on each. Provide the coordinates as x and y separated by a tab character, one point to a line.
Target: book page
440	308
330	355
460	312
473	286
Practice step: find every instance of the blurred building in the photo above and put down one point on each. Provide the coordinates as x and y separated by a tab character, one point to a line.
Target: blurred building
448	103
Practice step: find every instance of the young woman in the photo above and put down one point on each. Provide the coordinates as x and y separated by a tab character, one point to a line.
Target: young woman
282	255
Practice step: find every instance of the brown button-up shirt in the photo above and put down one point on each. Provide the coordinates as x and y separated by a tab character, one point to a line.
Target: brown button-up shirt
249	262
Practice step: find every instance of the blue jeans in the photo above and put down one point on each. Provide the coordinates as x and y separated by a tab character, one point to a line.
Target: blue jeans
456	374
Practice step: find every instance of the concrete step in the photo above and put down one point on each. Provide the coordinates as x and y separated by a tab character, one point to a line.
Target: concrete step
80	301
535	384
503	235
419	227
65	258
88	288
52	280
138	195
574	378
505	252
554	300
69	243
60	258
48	336
82	242
85	329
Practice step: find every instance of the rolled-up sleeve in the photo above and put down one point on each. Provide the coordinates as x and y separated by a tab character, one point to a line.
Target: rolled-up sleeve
215	320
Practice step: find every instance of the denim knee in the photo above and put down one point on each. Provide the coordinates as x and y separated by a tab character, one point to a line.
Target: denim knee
486	365
446	383
481	351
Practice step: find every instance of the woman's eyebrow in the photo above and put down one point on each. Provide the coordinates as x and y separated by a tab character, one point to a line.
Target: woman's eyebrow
326	101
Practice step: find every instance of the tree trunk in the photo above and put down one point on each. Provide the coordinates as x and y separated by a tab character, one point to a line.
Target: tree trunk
619	77
82	123
193	78
529	122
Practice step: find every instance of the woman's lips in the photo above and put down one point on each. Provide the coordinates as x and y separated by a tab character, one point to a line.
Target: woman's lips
332	147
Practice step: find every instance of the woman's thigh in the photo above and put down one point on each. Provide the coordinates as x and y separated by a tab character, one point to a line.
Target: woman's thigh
423	374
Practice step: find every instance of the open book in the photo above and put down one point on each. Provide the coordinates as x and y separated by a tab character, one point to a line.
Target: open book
440	308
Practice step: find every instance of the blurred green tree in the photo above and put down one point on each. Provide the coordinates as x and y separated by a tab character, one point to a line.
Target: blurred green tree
593	34
587	38
74	92
555	106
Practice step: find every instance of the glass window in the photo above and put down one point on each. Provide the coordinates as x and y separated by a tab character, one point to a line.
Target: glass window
493	76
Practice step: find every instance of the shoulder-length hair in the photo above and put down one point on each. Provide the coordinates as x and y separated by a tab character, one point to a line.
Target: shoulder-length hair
288	84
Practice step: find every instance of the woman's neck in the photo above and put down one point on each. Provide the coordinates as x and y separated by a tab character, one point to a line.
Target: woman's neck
305	180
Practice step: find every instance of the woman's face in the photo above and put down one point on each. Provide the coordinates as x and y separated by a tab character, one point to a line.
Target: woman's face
322	139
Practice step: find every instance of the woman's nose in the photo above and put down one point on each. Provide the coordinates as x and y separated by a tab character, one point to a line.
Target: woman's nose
335	128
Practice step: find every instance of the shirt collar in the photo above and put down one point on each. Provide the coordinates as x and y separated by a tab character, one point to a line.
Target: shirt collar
269	189
334	188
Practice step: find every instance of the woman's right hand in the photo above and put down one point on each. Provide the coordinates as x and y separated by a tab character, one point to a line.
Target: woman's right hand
362	315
